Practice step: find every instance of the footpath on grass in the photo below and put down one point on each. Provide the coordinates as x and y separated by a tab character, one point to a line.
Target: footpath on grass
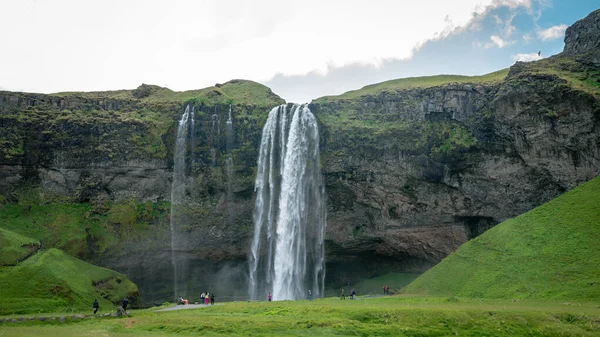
195	306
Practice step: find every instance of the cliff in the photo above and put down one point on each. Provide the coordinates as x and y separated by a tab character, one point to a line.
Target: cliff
413	167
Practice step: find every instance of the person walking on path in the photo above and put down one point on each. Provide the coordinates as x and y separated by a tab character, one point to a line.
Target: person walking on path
95	306
125	303
206	298
212	298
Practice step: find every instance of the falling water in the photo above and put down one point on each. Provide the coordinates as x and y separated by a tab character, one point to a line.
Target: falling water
178	191
229	162
216	125
287	252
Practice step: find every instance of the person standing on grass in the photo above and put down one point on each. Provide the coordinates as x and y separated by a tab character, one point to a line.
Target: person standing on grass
212	298
270	297
125	303
343	296
95	306
387	289
309	296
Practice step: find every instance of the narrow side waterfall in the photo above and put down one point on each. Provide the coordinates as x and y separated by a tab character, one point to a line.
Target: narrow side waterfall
229	163
287	252
178	191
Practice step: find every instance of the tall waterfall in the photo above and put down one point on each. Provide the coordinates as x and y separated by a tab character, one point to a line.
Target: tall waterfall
178	191
287	252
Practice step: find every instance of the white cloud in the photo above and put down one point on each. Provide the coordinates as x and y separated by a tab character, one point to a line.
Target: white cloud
497	41
527	37
554	32
527	57
115	44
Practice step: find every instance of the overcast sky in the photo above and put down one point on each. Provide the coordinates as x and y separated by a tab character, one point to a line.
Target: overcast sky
301	49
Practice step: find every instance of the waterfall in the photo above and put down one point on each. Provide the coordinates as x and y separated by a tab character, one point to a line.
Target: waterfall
178	192
287	251
229	163
216	124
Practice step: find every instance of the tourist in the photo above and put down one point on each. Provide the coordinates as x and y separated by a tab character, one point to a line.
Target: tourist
206	297
95	306
387	289
212	298
352	292
270	297
202	298
343	297
310	295
125	303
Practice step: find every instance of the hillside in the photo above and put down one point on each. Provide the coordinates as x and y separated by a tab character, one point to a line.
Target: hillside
52	281
550	252
15	247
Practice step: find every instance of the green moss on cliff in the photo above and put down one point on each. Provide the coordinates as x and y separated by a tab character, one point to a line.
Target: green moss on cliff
86	230
550	252
577	74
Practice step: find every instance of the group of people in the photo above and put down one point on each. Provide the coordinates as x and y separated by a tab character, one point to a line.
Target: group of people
352	294
205	297
96	305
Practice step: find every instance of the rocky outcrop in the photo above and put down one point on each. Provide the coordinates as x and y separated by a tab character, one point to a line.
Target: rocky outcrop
460	159
583	37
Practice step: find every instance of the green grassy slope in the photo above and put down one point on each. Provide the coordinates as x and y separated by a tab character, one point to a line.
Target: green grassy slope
550	252
15	247
51	281
578	75
417	83
235	91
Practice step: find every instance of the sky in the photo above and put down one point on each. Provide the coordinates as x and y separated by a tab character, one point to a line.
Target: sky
301	49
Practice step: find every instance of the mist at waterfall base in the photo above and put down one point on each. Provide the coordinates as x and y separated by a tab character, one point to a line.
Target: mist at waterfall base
287	252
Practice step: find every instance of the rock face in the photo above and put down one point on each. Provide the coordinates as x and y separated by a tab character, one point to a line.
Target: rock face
582	37
461	159
410	173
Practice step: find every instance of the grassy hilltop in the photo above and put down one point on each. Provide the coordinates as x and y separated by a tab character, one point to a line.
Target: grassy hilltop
53	281
550	252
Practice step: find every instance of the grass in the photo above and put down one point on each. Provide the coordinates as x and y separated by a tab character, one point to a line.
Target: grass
417	83
15	247
51	281
391	316
550	252
242	92
577	75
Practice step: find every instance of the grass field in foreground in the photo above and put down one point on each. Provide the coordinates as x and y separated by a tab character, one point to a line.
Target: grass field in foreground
386	316
550	252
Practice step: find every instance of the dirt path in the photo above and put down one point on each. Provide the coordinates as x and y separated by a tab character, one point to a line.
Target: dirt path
188	306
